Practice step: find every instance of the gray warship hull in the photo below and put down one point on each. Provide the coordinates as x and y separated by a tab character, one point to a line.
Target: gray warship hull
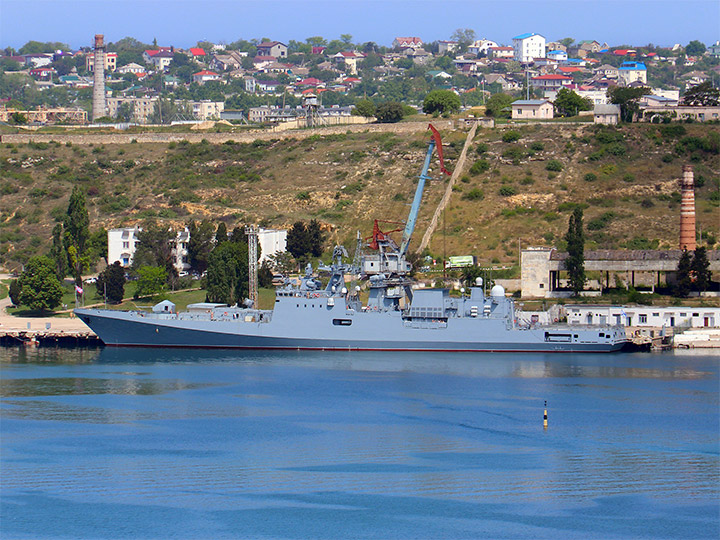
325	330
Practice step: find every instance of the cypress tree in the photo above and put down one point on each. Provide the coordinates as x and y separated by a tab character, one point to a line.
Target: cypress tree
77	232
58	254
700	268
221	234
684	281
575	262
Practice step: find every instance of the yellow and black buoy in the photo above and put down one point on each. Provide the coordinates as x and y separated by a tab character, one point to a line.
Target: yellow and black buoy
545	416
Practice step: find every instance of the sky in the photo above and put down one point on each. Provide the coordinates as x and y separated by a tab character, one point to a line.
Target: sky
182	23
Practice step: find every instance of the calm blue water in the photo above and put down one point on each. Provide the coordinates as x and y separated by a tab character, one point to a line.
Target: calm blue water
133	443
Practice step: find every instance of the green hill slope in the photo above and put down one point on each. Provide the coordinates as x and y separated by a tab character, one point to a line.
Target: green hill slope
525	182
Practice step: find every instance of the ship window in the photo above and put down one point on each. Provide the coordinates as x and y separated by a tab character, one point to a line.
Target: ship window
342	322
601	334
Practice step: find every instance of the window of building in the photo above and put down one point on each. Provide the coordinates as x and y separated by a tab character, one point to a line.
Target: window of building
643	318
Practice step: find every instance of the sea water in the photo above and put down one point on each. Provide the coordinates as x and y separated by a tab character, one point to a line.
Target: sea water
152	443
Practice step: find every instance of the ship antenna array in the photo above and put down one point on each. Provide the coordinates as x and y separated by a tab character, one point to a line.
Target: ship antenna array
252	234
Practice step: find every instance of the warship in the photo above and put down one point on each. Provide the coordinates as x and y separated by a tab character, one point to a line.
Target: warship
316	312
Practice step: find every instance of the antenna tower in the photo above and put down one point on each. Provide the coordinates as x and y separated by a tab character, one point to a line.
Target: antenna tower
252	233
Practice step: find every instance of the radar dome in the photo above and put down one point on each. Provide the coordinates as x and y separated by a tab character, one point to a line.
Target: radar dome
497	291
478	282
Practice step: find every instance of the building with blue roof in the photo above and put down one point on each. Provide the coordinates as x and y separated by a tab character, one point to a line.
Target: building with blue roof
528	46
630	72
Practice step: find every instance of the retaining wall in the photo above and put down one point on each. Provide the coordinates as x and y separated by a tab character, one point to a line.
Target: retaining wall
218	138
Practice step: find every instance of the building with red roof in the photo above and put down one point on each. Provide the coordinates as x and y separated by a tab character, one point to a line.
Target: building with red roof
197	52
204	76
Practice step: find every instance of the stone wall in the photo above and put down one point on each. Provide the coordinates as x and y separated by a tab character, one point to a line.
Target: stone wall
218	138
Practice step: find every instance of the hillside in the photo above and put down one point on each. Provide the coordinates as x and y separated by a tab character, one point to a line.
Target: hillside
526	180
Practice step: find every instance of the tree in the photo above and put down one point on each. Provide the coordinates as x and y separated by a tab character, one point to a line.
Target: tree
683	282
464	36
298	240
40	288
227	273
151	281
200	245
568	103
317	238
154	247
58	253
221	234
575	262
304	241
389	112
125	112
567	42
704	94
695	48
282	262
14	292
111	283
700	268
77	232
497	104
442	102
364	107
628	99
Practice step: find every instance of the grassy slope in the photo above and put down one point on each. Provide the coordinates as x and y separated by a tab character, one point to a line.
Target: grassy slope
347	181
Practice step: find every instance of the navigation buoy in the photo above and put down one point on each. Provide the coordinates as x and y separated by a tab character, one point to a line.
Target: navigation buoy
545	416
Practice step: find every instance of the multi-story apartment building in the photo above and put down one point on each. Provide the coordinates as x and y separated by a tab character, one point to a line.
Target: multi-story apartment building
528	46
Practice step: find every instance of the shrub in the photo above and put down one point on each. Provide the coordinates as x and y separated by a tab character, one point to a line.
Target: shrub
480	166
303	196
507	191
629	178
474	194
590	177
481	148
554	165
667	158
537	147
514	152
511	136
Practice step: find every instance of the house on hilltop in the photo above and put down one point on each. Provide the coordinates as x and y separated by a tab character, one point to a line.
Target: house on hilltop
528	46
275	49
407	42
532	109
630	72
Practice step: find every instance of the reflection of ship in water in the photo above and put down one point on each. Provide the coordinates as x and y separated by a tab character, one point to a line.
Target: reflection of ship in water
326	315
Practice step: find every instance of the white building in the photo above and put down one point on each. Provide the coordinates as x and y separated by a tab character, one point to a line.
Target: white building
645	316
528	46
630	72
481	46
122	244
207	110
271	241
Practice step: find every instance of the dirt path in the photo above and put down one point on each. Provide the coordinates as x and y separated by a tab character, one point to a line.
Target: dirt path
459	167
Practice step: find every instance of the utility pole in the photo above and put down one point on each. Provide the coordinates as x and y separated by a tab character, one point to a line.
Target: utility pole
252	233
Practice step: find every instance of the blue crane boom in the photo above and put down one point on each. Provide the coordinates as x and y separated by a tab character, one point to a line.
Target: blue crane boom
415	208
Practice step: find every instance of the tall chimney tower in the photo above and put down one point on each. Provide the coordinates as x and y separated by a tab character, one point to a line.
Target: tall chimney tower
687	210
99	78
